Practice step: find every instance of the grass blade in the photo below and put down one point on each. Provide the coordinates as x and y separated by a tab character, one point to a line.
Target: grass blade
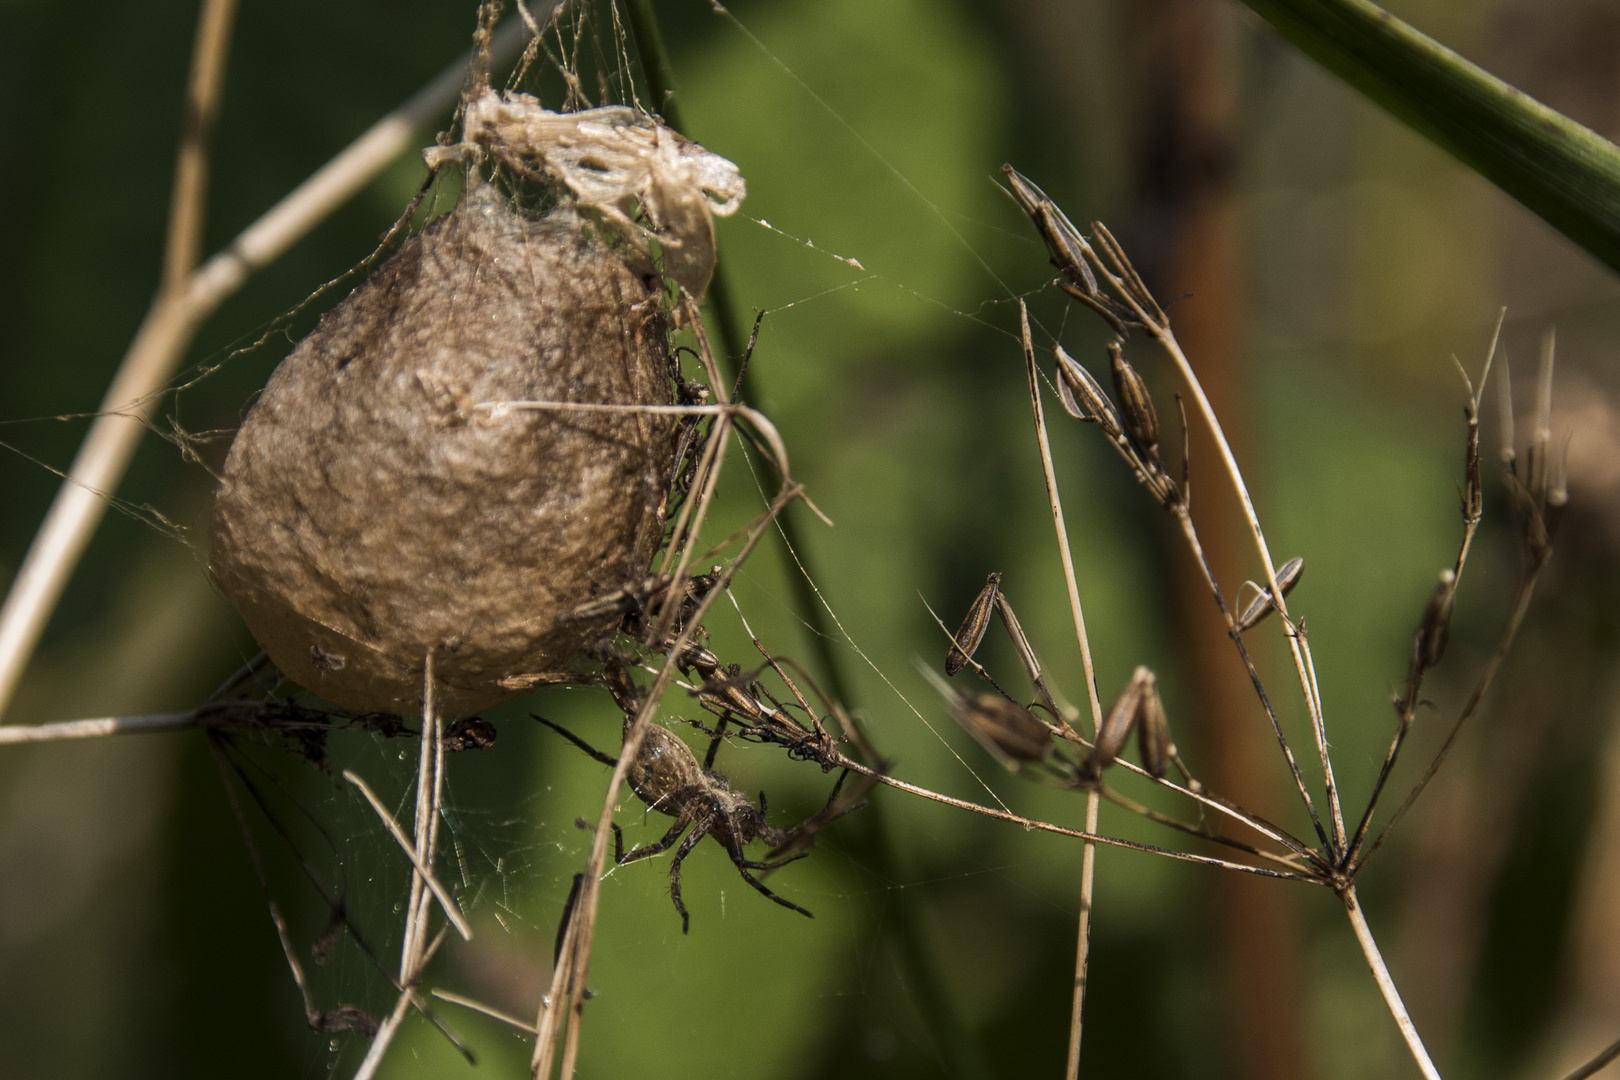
1564	172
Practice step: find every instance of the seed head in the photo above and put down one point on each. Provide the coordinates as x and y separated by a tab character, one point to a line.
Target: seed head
973	627
1009	731
1153	731
1135	404
1123	714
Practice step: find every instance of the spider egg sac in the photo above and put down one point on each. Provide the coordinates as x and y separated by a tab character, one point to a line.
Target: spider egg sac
379	502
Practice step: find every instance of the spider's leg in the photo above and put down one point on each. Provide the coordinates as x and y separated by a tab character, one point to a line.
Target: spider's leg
810	826
772	864
760	885
850	809
682	852
577	741
651	849
714	743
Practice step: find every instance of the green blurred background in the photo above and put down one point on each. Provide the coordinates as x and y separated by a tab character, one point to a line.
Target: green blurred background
1324	263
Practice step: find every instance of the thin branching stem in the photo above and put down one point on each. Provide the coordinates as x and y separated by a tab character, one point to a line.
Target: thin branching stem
1406	706
97	728
1521	608
566	993
414	951
480	1007
209	53
452	910
1123	278
1191	535
841	761
1082	948
1203	833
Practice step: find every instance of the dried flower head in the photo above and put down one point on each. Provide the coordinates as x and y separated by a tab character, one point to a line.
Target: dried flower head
1153	731
1083	396
1009	731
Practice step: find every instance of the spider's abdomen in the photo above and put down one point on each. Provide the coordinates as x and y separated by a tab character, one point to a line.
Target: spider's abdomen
665	773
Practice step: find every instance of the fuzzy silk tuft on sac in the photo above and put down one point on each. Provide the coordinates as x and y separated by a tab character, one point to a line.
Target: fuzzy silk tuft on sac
374	507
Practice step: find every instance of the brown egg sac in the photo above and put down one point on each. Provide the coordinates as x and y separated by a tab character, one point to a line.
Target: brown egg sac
375	506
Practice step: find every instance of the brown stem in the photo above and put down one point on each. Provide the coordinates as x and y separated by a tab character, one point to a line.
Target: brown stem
841	762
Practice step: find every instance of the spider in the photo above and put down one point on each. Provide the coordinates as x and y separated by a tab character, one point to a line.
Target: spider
667	777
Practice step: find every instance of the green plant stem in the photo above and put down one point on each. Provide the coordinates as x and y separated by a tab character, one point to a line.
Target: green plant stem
1564	172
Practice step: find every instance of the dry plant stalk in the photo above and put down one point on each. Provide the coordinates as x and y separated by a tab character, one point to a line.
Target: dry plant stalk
1098	274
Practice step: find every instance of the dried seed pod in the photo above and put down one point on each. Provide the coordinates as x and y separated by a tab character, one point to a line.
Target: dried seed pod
1288	575
1430	643
1083	396
1010	732
1064	244
1473	493
973	627
1121	717
1153	731
1135	404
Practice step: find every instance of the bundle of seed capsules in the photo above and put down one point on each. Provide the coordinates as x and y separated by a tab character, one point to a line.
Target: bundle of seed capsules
407	482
